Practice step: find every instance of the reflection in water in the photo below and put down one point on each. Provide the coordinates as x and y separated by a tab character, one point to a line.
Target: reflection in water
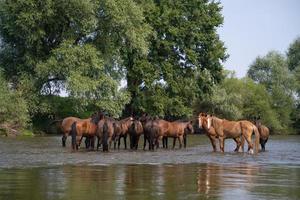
30	171
192	181
222	179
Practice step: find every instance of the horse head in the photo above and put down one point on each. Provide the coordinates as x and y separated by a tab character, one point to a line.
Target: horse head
96	117
189	127
201	117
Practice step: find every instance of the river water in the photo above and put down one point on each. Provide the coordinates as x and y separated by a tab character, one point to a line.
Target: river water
39	168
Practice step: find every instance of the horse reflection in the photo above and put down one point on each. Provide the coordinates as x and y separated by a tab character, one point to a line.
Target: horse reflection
213	180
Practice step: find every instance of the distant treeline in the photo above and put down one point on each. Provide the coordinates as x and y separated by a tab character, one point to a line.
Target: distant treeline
128	57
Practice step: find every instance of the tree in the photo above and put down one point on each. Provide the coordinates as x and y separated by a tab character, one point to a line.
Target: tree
293	59
272	72
184	59
49	46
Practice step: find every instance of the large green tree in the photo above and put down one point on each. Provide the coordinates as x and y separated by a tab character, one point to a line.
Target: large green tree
184	58
49	46
272	71
168	52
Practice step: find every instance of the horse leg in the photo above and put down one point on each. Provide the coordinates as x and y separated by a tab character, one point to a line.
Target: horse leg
87	142
180	138
125	143
221	141
238	144
174	142
92	143
166	142
119	142
98	143
63	140
145	141
137	142
213	143
131	141
242	143
184	140
115	143
250	146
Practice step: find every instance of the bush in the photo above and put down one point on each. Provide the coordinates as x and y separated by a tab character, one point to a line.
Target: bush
13	109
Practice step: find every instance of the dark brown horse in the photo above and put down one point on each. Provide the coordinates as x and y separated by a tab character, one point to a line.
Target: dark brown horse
264	134
135	131
231	129
212	135
105	134
84	128
150	131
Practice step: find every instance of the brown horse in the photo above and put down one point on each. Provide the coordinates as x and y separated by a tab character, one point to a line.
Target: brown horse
135	131
172	129
105	133
264	134
150	130
212	135
66	128
84	128
121	129
231	129
188	129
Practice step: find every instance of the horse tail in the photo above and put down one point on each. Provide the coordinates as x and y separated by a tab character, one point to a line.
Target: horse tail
74	134
257	137
105	136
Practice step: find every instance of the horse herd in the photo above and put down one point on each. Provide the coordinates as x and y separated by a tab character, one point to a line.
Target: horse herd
108	130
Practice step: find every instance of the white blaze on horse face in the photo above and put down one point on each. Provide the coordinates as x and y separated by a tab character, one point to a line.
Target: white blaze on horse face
200	121
208	122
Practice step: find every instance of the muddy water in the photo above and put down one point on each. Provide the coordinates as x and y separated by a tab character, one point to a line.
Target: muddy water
39	168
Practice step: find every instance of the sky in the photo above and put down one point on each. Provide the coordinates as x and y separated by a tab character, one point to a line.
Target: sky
252	28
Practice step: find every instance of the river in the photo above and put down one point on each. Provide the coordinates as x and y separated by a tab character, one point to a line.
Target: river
39	168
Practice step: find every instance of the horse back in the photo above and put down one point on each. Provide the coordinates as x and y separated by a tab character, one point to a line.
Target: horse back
231	129
67	123
264	132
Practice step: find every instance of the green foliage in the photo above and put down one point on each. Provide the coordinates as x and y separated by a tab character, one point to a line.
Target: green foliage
293	58
13	108
184	59
46	49
272	71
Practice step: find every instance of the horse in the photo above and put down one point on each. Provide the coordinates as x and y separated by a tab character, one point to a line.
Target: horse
135	131
84	128
212	135
107	136
264	134
150	131
231	129
66	128
121	130
188	130
172	129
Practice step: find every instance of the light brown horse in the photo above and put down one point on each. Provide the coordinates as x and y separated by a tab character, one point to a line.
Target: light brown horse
172	129
121	129
231	129
66	128
212	135
264	134
84	128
